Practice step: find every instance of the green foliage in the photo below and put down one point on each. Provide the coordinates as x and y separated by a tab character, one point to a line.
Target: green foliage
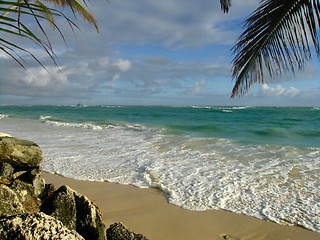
11	22
276	40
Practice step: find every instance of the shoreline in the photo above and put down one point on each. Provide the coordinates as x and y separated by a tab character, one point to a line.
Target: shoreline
147	211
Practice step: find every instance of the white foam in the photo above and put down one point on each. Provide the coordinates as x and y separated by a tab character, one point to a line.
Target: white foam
266	181
2	116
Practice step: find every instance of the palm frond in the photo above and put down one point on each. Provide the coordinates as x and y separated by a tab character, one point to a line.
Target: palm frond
225	5
13	24
77	7
276	40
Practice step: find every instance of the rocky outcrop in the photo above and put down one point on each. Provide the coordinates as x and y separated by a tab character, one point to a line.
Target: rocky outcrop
10	202
76	212
29	206
118	231
21	183
31	209
35	226
21	154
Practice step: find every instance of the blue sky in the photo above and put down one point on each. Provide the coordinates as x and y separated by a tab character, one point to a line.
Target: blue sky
169	52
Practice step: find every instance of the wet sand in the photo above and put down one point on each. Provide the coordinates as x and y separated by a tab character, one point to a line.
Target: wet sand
147	211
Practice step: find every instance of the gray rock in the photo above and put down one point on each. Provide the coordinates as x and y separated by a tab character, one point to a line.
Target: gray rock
118	231
6	172
21	154
9	202
89	219
35	226
62	206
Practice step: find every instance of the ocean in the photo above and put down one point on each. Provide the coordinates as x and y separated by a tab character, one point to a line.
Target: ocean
259	161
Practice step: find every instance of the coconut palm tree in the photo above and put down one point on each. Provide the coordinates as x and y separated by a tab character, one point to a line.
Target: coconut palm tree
276	40
12	16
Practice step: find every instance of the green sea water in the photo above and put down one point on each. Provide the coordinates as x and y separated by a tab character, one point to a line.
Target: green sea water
267	125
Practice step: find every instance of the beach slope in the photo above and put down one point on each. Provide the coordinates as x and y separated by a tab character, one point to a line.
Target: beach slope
147	211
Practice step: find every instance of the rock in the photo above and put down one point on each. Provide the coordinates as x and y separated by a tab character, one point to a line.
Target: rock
35	226
49	189
4	135
6	172
10	202
118	231
62	206
89	219
75	211
23	194
228	237
21	154
26	194
34	177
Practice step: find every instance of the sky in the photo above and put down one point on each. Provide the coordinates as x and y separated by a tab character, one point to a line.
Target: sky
169	52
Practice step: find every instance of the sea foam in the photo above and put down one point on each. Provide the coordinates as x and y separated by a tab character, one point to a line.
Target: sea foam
268	181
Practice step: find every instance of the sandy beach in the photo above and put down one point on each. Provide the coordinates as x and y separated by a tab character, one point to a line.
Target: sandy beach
147	211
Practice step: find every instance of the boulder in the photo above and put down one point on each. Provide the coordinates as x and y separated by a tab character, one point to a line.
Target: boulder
35	226
118	231
24	194
10	202
75	211
89	219
62	206
21	154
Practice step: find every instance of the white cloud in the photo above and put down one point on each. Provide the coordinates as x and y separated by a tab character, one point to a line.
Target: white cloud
198	87
278	91
123	65
116	77
104	62
40	77
144	49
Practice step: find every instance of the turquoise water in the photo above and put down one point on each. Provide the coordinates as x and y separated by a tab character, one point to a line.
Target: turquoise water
283	126
263	162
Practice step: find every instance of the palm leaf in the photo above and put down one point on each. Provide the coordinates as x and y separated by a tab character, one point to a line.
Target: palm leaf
77	7
276	40
39	11
225	5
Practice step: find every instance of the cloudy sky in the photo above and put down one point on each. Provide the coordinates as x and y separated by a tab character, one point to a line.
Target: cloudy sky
169	52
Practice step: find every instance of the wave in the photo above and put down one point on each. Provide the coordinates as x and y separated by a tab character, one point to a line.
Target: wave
273	182
89	125
2	116
224	108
